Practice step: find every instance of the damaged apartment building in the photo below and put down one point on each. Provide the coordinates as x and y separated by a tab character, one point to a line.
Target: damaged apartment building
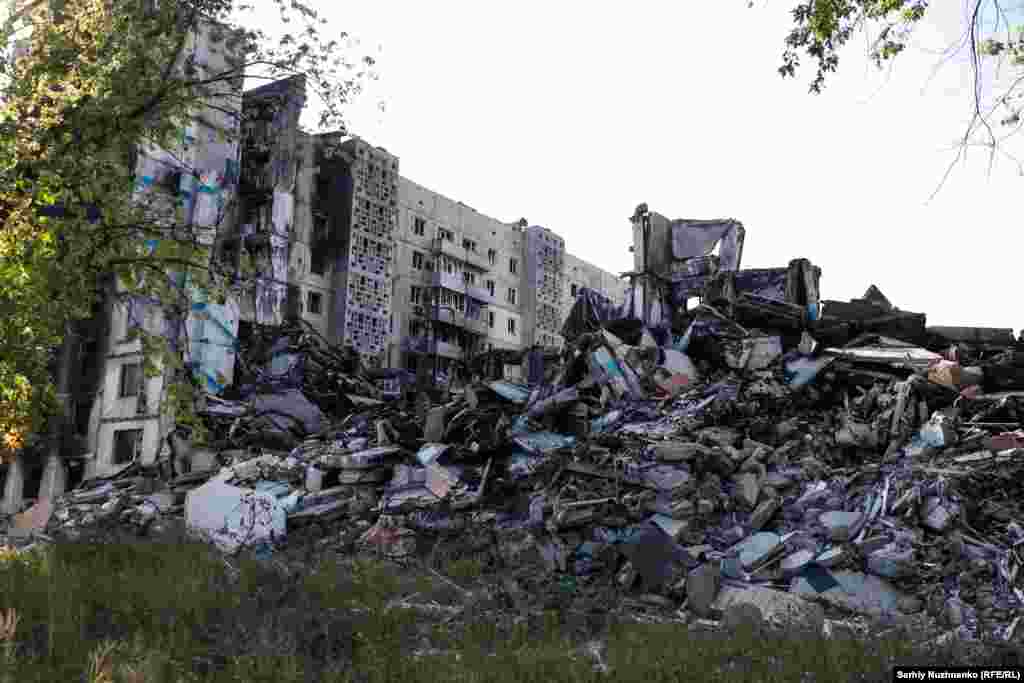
374	261
336	236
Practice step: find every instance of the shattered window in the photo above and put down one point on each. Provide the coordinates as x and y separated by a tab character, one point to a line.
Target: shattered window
419	226
314	303
513	265
512	326
417	260
131	379
127	444
490	319
492	255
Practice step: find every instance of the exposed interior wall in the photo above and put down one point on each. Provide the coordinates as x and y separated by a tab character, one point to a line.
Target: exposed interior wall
270	172
193	184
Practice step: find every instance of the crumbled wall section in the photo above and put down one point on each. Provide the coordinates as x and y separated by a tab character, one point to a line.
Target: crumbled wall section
371	249
269	175
545	272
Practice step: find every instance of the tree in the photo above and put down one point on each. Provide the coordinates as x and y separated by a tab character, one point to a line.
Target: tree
85	85
823	27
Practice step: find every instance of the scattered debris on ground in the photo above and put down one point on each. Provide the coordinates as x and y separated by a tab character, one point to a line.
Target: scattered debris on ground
765	457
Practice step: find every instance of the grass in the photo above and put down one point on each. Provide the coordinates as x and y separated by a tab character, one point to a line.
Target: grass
151	611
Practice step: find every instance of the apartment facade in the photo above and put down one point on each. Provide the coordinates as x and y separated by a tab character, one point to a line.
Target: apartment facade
404	275
407	276
118	414
490	285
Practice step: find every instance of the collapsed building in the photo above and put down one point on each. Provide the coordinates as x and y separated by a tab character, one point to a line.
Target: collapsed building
710	436
722	442
335	236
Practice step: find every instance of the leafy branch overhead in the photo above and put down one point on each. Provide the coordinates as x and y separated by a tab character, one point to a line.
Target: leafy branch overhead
822	27
86	87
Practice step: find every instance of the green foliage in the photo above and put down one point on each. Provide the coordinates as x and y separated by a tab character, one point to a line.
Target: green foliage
162	610
822	27
96	81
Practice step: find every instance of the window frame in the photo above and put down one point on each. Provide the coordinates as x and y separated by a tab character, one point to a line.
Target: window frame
312	296
122	384
136	446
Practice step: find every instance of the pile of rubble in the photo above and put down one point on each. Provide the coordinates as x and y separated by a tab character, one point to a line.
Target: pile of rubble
771	457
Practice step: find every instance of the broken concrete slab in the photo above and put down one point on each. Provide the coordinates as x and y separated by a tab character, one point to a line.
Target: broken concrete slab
777	481
831	557
288	409
747	490
203	460
753	353
433	431
857	592
233	517
892	562
702	585
841	526
759	549
778	608
678	451
793	564
938	514
764	512
161	500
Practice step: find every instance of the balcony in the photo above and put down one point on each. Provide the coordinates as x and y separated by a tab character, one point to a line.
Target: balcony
447	315
456	283
479	293
452	281
456	251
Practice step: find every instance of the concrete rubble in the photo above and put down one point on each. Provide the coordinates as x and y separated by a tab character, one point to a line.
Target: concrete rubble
770	457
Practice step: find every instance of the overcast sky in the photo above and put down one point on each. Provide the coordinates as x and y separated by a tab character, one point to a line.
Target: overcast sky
571	113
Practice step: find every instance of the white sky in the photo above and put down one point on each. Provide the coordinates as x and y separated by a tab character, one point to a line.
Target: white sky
571	113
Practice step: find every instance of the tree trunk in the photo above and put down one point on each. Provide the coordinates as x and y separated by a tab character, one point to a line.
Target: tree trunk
61	427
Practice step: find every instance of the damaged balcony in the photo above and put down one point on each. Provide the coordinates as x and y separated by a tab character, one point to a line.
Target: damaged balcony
463	253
